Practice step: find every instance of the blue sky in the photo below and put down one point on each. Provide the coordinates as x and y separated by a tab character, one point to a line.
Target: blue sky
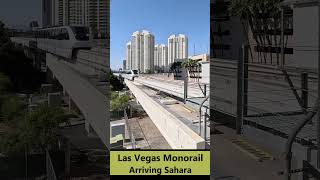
162	18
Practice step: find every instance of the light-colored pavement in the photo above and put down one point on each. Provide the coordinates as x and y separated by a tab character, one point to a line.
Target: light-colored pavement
226	160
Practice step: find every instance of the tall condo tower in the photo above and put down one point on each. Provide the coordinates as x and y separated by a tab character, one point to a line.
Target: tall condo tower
161	58
177	48
142	51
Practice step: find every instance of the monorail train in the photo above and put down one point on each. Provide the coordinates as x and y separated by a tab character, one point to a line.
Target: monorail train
63	41
129	74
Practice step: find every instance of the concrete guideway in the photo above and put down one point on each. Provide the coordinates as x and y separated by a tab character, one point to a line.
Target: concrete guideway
187	113
177	134
95	58
92	102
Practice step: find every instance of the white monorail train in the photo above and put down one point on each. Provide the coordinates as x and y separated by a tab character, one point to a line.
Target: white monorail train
129	74
63	41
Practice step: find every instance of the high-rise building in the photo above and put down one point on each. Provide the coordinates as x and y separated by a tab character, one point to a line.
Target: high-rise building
124	65
129	56
161	58
58	13
92	13
157	60
135	50
53	12
177	48
142	51
77	12
46	13
97	16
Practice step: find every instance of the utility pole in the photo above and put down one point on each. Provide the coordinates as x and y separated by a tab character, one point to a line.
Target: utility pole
282	38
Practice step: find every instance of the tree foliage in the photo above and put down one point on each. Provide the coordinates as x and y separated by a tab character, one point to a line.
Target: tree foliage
4	37
262	17
5	83
41	127
12	109
176	67
18	127
14	64
38	130
119	102
192	66
116	84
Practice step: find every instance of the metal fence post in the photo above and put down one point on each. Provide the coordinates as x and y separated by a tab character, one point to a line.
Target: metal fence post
240	90
67	155
185	87
245	79
305	173
318	111
282	39
304	89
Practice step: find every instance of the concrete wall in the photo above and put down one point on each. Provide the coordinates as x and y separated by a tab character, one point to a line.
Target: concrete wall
205	73
306	36
93	104
177	134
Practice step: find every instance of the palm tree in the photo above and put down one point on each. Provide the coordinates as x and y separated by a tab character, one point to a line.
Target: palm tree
119	102
4	38
176	68
191	66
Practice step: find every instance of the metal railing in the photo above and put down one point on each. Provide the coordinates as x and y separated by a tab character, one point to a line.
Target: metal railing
204	120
